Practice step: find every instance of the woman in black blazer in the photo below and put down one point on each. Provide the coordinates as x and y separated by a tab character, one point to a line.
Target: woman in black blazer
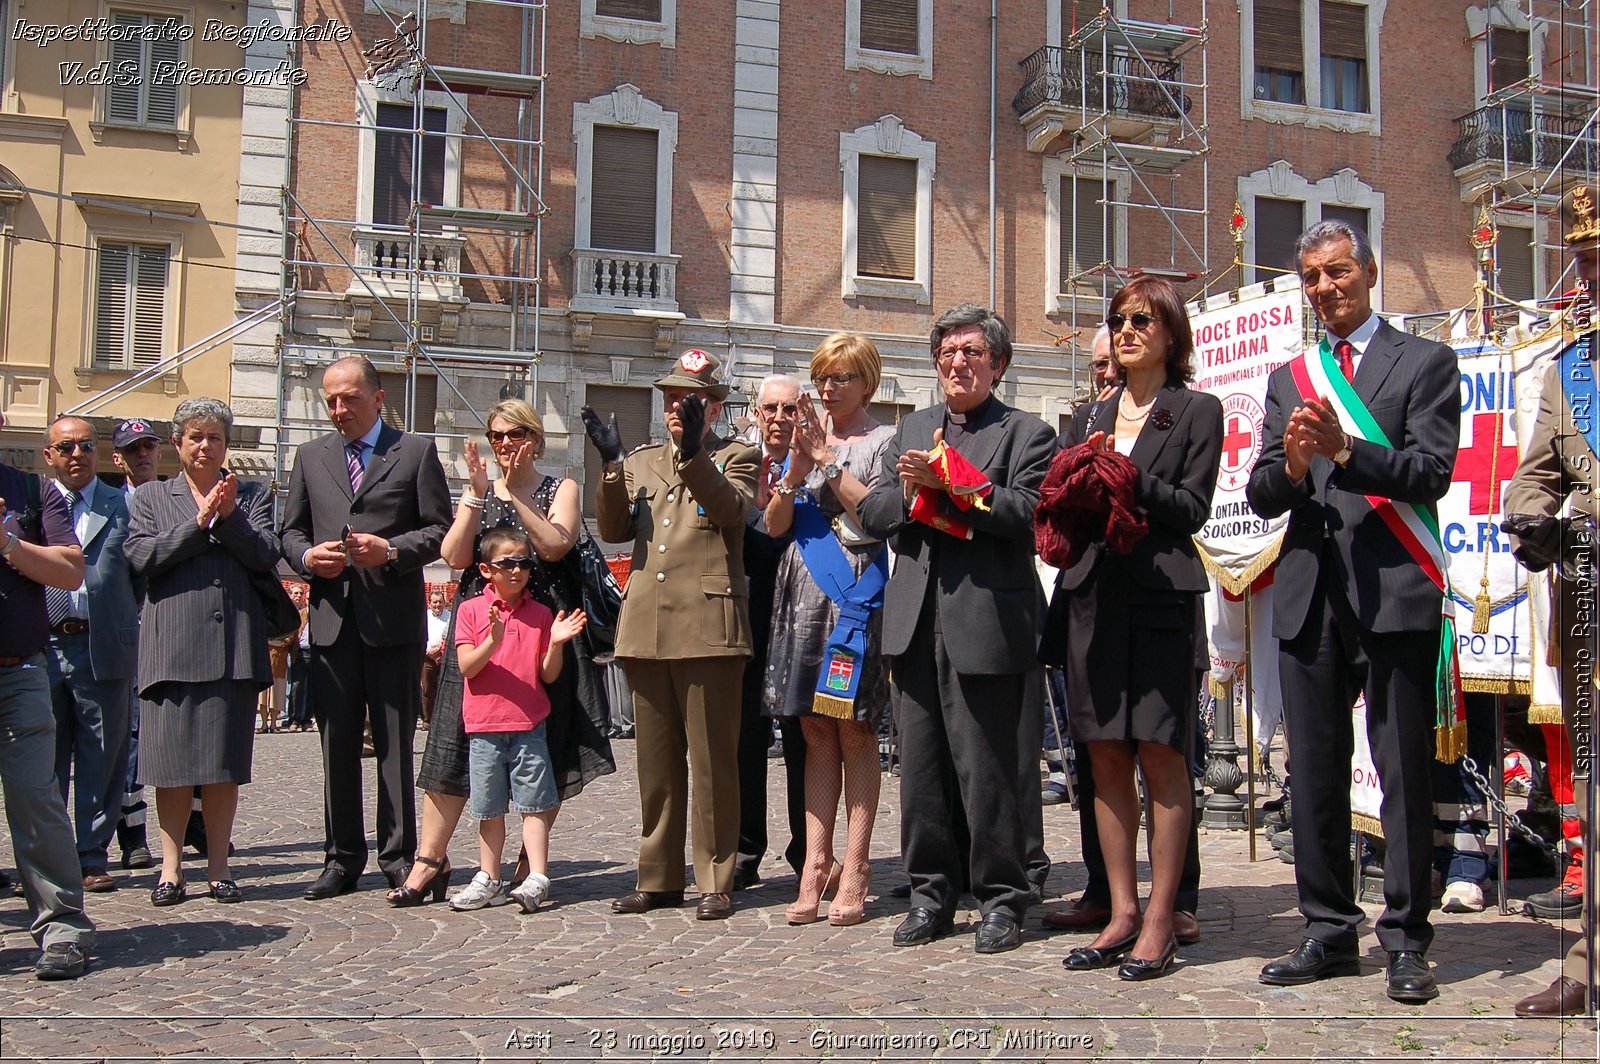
1128	622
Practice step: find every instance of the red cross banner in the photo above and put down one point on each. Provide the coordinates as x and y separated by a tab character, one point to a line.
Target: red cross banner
1239	339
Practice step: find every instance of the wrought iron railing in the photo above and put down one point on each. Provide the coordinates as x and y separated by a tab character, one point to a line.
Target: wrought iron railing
1073	78
1514	135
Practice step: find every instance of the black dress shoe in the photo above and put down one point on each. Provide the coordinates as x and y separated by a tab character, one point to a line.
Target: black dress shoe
921	926
642	901
1409	980
999	933
1136	968
333	882
745	878
1311	961
1088	958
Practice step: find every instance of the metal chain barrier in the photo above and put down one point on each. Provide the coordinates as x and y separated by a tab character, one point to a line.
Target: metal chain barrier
1508	817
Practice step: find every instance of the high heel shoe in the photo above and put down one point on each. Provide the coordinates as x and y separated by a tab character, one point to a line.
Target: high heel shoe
842	914
407	897
801	913
1088	958
1136	968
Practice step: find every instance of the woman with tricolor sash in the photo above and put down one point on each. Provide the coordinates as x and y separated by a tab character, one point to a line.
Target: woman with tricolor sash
824	665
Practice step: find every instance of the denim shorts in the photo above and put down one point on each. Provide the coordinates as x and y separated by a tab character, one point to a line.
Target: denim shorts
509	769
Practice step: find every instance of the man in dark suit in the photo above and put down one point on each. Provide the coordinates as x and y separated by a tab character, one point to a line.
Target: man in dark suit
368	507
960	621
94	643
1356	611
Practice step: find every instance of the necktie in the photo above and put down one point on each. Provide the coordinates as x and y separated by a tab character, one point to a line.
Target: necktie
58	603
354	449
1347	359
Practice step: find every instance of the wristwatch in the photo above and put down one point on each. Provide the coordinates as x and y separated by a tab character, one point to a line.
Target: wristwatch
394	555
1342	455
832	471
11	541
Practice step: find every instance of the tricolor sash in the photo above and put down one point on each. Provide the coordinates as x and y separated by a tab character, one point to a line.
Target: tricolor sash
1577	382
1317	376
856	596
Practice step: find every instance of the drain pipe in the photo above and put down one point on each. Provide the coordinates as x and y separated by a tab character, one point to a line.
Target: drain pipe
994	54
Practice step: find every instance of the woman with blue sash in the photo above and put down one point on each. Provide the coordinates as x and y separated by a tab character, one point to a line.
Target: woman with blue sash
824	665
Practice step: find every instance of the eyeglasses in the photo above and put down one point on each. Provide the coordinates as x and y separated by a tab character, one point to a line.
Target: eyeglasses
838	380
66	447
770	409
970	353
507	565
513	436
1140	319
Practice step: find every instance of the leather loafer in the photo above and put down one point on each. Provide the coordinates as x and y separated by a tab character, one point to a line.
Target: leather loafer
1311	961
642	901
95	881
1088	958
1081	915
1409	979
999	933
714	906
1564	997
921	926
1185	928
333	882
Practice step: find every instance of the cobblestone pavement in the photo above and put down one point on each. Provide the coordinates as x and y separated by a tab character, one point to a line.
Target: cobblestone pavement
280	978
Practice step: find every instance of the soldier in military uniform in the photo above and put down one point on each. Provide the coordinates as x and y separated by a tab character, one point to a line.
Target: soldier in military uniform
1559	461
684	633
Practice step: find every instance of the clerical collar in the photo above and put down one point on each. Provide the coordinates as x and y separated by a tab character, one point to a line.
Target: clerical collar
975	414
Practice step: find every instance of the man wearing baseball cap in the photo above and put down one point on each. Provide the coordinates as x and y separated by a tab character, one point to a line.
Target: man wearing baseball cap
684	632
136	450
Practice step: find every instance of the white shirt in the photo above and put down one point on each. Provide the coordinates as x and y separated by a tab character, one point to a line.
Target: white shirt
436	627
1359	340
80	526
371	441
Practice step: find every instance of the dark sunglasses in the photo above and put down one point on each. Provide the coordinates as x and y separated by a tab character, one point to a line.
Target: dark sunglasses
515	436
1140	319
66	447
507	565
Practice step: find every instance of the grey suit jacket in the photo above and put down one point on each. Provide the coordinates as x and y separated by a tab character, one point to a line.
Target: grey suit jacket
1411	387
403	498
986	585
109	585
202	620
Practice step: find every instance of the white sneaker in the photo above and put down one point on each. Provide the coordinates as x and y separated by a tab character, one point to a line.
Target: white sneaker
533	890
1462	897
481	892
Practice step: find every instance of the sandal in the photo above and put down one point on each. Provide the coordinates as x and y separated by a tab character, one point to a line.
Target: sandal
406	897
167	894
226	891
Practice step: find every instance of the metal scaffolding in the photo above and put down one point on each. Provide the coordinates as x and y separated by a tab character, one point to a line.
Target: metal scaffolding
412	282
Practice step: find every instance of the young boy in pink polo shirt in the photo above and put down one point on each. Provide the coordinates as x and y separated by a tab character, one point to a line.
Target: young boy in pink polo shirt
509	647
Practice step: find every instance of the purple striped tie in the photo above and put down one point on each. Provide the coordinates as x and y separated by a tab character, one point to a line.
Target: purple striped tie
355	447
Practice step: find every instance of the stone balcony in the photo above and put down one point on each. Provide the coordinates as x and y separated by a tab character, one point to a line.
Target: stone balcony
383	259
624	283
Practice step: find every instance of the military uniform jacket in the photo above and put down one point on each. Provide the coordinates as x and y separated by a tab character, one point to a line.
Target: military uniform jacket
686	595
1556	459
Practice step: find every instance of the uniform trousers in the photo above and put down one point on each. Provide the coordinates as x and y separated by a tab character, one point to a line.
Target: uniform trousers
351	681
1578	699
1322	670
962	752
687	708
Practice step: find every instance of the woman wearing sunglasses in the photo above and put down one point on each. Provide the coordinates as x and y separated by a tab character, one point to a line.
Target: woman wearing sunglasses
1127	624
830	673
546	509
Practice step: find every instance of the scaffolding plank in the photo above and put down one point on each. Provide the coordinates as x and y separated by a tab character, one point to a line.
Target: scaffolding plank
481	216
472	81
1169	38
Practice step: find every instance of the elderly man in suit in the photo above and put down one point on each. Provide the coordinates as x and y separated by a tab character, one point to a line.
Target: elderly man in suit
94	646
684	633
1360	436
959	619
368	507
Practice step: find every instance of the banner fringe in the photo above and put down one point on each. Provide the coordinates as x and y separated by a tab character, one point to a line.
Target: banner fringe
1496	685
1239	583
837	708
1367	825
1544	713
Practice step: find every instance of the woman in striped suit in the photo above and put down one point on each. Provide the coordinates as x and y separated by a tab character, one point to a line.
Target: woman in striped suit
203	640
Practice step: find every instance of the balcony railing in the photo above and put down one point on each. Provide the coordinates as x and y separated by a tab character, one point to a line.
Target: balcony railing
627	281
383	258
1501	133
1072	78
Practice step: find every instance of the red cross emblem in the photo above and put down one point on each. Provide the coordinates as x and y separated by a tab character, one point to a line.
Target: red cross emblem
1486	463
694	361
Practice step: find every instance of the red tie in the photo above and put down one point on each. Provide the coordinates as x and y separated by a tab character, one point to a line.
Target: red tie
1347	361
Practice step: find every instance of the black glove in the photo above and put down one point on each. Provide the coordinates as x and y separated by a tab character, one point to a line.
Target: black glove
692	420
606	439
1538	539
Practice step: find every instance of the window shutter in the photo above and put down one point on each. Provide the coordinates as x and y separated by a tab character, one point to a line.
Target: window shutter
111	305
889	26
638	10
1078	14
1359	217
161	100
1278	44
886	217
632	407
622	202
149	304
1344	31
1083	241
1514	256
1508	57
127	53
391	164
1278	224
393	413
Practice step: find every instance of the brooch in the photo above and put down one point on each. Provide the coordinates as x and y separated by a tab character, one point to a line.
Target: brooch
1162	419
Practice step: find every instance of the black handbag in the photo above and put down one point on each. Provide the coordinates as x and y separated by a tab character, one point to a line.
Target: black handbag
283	616
600	592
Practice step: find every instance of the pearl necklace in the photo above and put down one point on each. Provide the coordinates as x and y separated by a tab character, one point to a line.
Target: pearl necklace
1121	409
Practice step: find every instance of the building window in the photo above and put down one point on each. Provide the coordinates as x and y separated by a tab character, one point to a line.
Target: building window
630	21
888	212
635	409
1312	62
1278	223
1344	57
1086	235
143	46
396	391
1509	50
1281	204
393	161
622	207
130	304
1280	63
889	36
1514	256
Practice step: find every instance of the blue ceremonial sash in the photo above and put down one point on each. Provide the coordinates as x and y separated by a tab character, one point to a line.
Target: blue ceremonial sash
856	596
1577	381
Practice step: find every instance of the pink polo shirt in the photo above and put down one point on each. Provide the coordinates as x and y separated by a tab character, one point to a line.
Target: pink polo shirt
507	695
